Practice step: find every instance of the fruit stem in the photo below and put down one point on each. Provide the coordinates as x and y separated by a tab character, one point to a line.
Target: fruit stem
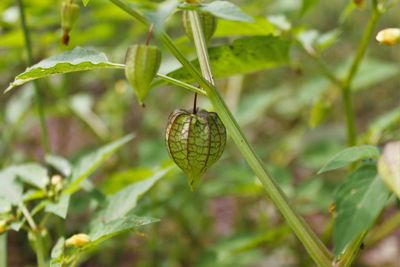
195	103
149	32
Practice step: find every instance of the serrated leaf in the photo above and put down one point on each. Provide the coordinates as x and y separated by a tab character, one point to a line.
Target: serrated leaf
122	202
103	231
359	201
78	59
59	208
244	55
226	10
31	173
90	162
350	155
389	166
60	164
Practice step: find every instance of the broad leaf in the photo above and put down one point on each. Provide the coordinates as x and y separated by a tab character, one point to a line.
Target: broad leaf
261	26
10	189
359	201
59	208
389	167
103	231
90	162
31	173
57	253
78	59
350	155
389	120
164	10
226	10
125	200
60	164
243	56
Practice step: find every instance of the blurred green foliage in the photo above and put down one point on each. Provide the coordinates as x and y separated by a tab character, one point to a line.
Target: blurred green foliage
290	112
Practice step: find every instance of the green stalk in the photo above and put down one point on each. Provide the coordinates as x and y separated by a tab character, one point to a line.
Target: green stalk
347	83
312	243
381	231
39	102
38	242
351	251
181	84
3	250
314	246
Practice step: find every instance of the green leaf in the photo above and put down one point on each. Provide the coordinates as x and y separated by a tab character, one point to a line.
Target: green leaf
90	162
164	10
117	205
57	252
85	2
59	208
226	10
82	106
307	5
350	155
78	59
60	164
359	201
261	26
382	124
31	173
103	231
389	166
244	55
10	189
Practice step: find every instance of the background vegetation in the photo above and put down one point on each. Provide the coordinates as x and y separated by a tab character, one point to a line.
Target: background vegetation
291	111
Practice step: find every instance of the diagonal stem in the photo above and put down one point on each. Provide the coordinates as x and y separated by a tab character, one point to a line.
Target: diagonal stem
313	244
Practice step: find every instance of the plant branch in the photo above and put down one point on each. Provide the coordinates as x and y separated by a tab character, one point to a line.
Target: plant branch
38	242
181	84
314	246
39	102
347	83
3	250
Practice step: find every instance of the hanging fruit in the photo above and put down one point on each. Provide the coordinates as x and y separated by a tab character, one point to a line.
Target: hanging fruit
69	15
195	141
141	65
207	21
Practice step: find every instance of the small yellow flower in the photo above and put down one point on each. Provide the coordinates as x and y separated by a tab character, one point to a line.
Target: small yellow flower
77	241
389	36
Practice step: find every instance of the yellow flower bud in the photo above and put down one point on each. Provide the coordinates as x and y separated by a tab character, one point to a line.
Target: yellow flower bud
389	36
77	241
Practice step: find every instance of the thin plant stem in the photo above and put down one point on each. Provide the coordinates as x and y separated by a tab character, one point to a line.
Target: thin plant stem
381	231
347	83
39	102
181	84
351	251
3	250
38	242
312	243
314	246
